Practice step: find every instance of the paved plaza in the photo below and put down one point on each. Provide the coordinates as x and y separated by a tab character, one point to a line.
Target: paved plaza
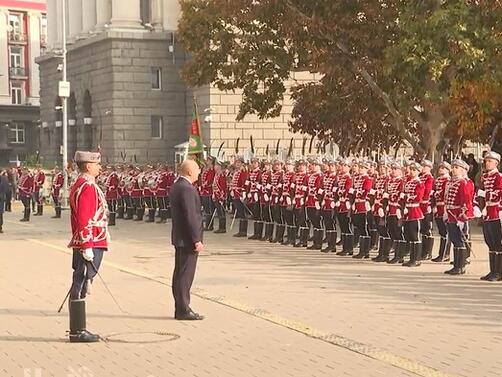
270	310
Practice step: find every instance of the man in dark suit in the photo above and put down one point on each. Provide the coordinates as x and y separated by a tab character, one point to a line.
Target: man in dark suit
186	237
4	190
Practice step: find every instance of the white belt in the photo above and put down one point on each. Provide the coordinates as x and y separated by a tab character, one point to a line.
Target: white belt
412	205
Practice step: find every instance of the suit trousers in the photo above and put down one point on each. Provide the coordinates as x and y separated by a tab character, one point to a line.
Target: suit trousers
83	271
185	263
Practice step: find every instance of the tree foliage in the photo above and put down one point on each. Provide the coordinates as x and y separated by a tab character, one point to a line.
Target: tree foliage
391	70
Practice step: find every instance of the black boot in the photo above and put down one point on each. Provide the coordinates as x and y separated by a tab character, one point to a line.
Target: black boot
427	246
379	257
442	250
287	241
40	210
162	217
374	239
140	212
317	245
243	228
364	247
58	213
1	222
78	332
304	236
387	244
111	220
497	266
459	258
348	245
256	233
222	225
26	216
399	251
151	216
279	234
120	212
331	239
415	255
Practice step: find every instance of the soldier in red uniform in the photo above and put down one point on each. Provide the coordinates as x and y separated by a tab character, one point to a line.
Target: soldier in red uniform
489	197
57	184
25	191
149	187
378	196
39	181
413	196
328	206
287	188
342	206
137	194
300	190
238	195
112	194
361	207
275	193
89	224
253	198
439	210
426	223
265	192
459	210
205	191
312	203
219	192
162	185
394	213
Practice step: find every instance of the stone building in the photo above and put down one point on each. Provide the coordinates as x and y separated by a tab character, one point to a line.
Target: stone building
126	93
23	35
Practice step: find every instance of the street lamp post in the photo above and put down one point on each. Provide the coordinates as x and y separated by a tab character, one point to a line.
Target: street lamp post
65	110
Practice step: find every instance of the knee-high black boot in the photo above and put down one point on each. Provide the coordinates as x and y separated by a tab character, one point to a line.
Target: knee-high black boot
78	330
415	255
222	225
380	256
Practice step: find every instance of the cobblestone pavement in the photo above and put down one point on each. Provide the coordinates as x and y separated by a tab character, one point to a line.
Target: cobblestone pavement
271	310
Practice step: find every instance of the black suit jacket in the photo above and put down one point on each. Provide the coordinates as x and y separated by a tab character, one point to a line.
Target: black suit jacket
186	214
4	187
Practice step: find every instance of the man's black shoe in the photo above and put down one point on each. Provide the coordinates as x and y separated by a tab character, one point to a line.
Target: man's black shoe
190	316
84	337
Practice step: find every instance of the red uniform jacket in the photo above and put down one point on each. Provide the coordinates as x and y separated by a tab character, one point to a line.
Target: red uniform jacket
288	187
137	191
39	180
301	181
439	192
395	187
89	215
237	184
362	187
458	200
25	185
253	186
57	183
276	183
265	187
491	186
206	182
162	184
314	184
341	190
219	187
413	195
428	182
112	186
378	195
329	183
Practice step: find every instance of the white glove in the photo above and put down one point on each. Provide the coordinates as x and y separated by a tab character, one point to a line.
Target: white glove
381	212
88	255
477	212
460	224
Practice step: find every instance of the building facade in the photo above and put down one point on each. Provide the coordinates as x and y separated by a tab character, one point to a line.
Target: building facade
127	98
23	36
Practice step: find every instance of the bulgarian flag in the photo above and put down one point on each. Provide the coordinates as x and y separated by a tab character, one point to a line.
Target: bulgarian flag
195	146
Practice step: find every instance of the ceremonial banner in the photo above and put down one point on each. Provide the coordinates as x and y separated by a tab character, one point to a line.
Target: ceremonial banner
195	145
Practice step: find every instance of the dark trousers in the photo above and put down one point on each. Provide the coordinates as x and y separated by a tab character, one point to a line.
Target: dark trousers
328	216
411	230
314	216
8	201
26	202
112	205
255	210
276	214
457	235
137	203
150	202
239	208
426	225
381	226
55	198
300	218
441	225
266	213
344	222
288	216
207	205
220	209
394	228
127	201
492	234
83	271
361	223
185	263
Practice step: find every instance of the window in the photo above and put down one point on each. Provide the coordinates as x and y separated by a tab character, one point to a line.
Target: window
156	78
156	127
15	23
16	92
145	11
16	57
43	30
16	133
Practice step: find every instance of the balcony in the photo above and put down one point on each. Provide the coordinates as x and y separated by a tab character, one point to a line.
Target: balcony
17	38
18	72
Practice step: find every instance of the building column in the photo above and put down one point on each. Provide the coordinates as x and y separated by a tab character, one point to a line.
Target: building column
74	22
4	60
59	25
88	15
103	13
157	12
171	14
126	17
34	22
52	25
